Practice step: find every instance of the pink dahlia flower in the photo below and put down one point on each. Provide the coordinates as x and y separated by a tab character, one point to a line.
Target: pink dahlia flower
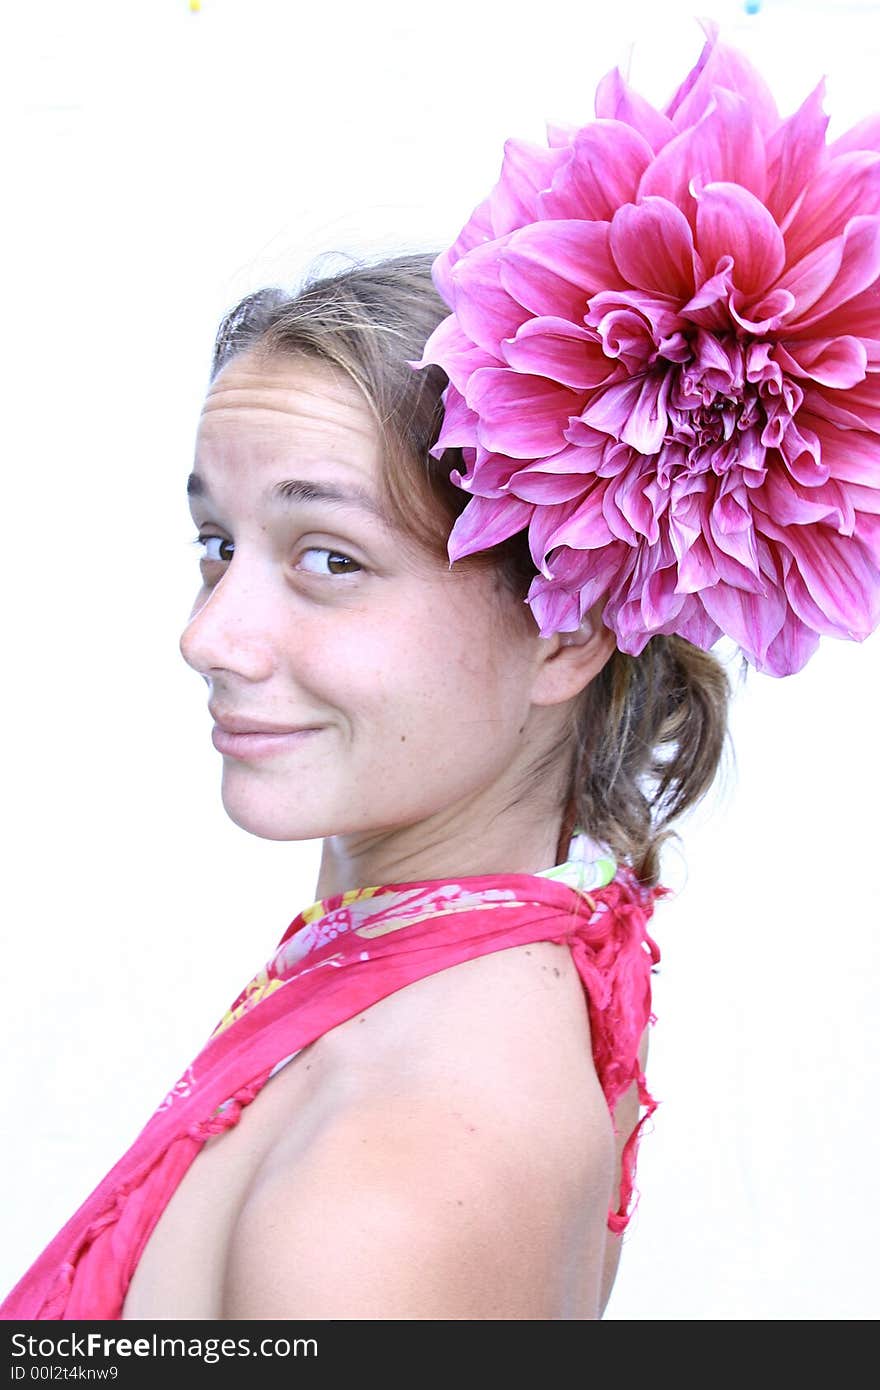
663	358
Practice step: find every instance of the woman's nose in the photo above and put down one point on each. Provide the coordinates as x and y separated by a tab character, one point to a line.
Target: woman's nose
230	629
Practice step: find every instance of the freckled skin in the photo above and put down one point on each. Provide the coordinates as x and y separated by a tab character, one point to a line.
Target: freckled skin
432	700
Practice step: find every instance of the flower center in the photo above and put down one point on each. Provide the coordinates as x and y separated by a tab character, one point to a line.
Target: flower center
728	388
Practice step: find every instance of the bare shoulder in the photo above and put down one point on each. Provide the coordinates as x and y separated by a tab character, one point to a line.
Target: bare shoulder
514	1021
463	1171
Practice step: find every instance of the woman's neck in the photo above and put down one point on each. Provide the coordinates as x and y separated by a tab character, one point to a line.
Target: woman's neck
508	845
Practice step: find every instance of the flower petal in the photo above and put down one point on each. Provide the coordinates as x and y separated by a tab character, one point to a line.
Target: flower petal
658	313
476	230
625	333
555	607
660	600
764	314
838	362
752	620
560	133
859	316
852	455
553	267
546	489
732	531
526	170
721	66
865	135
644	599
522	416
863	399
485	310
724	147
606	162
859	268
547	533
809	278
628	507
795	154
708	308
732	222
868	529
616	101
790	651
560	604
459	425
560	350
695	626
653	247
450	348
580	524
558	478
790	503
486	521
831	584
839	410
691	79
487	475
847	187
633	411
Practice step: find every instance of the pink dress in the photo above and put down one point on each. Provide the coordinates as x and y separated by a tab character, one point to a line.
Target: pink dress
336	958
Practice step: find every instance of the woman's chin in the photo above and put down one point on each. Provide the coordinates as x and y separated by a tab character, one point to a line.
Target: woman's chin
267	822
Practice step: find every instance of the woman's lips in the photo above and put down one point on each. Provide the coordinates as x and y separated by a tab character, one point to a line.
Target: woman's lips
252	746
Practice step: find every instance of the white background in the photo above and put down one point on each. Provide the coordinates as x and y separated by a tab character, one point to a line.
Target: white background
160	164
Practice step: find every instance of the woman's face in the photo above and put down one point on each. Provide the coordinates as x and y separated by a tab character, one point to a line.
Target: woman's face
314	612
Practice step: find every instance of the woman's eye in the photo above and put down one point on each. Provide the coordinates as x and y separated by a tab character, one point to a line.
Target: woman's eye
216	548
336	557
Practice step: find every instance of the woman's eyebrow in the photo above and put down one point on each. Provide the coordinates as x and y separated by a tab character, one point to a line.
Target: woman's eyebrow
302	490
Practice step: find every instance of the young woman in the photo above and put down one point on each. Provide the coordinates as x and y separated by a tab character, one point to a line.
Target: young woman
426	1105
442	1133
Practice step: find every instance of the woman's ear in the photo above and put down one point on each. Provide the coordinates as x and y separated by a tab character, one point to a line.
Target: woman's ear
568	661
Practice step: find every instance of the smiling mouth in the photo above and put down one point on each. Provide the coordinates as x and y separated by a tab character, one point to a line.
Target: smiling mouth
258	743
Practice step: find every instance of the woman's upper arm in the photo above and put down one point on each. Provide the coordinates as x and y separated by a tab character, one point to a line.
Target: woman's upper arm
428	1207
468	1174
